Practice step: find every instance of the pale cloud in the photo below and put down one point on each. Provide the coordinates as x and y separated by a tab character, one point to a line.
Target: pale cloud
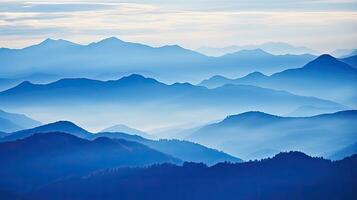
189	23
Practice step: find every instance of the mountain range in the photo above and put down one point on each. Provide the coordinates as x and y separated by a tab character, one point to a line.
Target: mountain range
291	175
277	48
126	98
325	77
113	57
183	150
253	135
47	157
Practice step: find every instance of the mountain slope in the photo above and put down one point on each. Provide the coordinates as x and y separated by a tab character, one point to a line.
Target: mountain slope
290	175
311	80
126	129
352	60
139	96
19	119
60	126
344	152
43	158
246	134
184	150
8	126
10	122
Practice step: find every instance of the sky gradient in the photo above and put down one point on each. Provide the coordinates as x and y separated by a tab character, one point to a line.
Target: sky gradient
323	25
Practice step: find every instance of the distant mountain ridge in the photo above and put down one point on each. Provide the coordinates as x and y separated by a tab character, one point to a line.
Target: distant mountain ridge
112	57
144	96
312	80
126	129
277	48
247	133
184	150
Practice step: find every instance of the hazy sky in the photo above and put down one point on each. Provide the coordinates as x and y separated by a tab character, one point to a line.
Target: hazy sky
319	24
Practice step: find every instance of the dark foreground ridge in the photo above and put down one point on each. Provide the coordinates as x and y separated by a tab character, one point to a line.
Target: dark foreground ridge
292	175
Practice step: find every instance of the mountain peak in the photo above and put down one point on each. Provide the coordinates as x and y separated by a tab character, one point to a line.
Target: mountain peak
56	42
137	78
327	61
250	116
256	74
291	155
65	126
252	53
326	57
111	40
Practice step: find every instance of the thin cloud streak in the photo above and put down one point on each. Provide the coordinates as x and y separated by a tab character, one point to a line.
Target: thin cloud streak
159	24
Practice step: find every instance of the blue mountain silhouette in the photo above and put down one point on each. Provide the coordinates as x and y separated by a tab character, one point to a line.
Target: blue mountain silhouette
60	126
146	95
184	150
43	158
246	134
276	48
113	56
126	129
313	79
290	175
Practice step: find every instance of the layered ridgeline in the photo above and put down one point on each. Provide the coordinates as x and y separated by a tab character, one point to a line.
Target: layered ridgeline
10	122
276	48
44	158
126	98
254	135
126	129
290	175
183	150
114	56
325	77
